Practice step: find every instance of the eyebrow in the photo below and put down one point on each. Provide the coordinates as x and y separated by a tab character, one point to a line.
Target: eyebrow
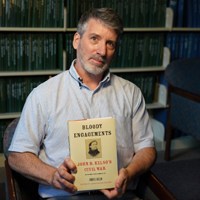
95	34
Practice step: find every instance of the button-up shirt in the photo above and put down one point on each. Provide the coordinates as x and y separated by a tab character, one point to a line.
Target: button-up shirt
43	129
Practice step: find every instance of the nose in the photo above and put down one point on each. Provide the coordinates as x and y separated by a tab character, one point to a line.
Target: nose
101	49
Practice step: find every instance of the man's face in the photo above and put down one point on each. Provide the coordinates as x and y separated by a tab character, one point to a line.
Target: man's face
96	48
93	146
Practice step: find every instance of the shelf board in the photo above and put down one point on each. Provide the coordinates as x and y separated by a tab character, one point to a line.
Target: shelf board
30	73
139	69
185	29
32	29
155	105
10	115
139	29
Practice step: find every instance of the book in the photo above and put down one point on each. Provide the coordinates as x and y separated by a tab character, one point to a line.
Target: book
93	149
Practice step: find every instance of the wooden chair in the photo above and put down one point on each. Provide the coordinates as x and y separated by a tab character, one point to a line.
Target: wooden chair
21	188
183	79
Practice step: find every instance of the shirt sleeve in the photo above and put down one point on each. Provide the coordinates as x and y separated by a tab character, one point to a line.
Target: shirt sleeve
31	128
141	126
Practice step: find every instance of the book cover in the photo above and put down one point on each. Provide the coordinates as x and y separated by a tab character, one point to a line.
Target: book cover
93	149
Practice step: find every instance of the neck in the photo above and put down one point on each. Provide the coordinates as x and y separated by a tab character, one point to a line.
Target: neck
91	80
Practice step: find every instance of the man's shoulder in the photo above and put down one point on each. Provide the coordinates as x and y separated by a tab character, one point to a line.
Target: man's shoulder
54	81
123	82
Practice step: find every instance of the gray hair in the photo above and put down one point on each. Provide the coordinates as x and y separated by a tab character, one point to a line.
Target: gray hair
110	18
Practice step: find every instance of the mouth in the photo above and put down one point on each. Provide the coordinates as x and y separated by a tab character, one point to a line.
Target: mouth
98	60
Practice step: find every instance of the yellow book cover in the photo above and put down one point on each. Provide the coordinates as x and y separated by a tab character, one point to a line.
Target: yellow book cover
93	150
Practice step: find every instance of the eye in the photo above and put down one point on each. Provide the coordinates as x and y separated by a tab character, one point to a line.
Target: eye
111	44
94	38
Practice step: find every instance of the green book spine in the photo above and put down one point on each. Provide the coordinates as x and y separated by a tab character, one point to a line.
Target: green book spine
47	13
9	53
130	50
137	15
1	13
55	5
159	59
26	12
50	13
145	57
54	51
7	14
1	54
22	11
29	52
40	51
124	51
45	52
14	52
14	14
60	52
61	13
132	13
66	49
33	51
21	52
8	94
2	95
30	12
41	23
36	52
51	51
126	13
33	21
26	51
68	14
23	90
18	51
137	51
18	13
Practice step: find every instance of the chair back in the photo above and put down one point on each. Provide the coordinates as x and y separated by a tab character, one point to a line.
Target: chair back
183	78
8	135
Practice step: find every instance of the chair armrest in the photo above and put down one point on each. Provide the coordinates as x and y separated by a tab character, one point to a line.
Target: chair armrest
10	182
156	186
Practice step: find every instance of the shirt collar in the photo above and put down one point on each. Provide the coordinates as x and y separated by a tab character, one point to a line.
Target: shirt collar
76	76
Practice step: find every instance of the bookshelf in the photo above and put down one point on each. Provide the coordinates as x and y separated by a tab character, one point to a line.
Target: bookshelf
160	91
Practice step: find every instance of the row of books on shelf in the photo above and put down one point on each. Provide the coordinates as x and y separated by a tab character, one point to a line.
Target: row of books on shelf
26	52
3	125
14	91
134	50
143	13
145	81
139	50
31	13
183	45
186	13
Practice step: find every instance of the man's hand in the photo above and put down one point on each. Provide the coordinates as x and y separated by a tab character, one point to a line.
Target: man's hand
121	184
63	179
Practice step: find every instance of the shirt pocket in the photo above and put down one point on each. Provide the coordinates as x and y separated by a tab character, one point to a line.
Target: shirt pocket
124	139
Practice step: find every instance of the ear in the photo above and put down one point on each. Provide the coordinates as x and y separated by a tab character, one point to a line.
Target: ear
76	40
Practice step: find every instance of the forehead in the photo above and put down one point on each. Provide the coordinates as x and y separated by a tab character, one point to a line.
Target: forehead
97	26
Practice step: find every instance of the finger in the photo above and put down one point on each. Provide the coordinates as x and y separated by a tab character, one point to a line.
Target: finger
64	174
122	177
69	164
61	183
110	193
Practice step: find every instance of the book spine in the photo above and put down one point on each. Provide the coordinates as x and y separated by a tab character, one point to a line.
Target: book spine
173	4
180	13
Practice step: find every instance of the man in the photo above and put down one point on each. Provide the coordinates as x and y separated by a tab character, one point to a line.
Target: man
93	150
40	149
